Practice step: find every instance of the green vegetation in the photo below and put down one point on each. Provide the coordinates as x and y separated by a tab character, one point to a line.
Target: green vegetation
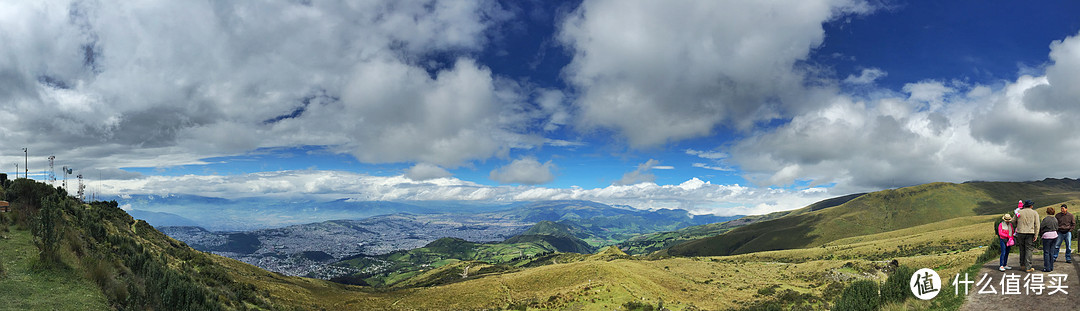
895	289
652	242
25	286
399	269
601	225
861	295
133	266
878	212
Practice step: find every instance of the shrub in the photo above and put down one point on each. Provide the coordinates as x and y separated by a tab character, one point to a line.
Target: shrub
638	306
861	295
47	228
895	288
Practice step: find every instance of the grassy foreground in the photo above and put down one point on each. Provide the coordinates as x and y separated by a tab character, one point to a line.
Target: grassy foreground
812	278
26	287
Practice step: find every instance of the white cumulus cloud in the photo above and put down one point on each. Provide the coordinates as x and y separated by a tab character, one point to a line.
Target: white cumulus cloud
660	71
425	171
694	195
867	76
119	84
934	131
525	171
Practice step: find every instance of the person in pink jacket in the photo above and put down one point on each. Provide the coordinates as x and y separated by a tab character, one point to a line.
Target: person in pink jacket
1005	237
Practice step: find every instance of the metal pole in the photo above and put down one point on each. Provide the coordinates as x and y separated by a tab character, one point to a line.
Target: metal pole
26	161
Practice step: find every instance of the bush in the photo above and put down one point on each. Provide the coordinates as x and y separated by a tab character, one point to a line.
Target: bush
47	228
895	288
862	295
638	306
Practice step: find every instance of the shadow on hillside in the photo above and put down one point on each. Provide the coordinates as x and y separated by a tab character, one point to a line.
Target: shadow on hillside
783	233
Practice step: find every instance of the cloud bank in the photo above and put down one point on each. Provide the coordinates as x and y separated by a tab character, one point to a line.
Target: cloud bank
118	84
665	71
694	195
934	131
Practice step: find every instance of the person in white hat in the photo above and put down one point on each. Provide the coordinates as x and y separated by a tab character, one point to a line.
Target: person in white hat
1005	236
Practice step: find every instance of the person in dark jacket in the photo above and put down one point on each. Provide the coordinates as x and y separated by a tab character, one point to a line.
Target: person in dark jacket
1048	232
1027	224
1066	223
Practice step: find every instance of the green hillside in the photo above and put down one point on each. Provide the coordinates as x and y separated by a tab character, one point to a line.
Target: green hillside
649	243
433	263
554	236
880	212
602	225
129	263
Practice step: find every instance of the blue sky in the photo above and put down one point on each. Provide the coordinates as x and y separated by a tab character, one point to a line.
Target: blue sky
716	106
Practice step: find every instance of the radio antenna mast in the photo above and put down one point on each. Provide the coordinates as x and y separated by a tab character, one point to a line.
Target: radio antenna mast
52	171
81	187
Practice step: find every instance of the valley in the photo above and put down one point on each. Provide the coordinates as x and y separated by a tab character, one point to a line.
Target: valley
307	250
311	249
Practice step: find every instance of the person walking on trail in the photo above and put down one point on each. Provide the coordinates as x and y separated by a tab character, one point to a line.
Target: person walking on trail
1066	223
1049	234
1005	237
1026	224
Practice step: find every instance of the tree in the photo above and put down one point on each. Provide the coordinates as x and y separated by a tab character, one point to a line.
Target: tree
47	228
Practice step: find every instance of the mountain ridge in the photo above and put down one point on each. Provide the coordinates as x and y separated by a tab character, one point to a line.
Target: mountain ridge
878	212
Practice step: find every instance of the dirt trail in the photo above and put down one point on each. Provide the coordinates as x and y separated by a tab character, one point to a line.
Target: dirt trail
1030	301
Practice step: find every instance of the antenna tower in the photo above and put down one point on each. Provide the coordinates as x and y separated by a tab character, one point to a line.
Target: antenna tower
52	171
81	187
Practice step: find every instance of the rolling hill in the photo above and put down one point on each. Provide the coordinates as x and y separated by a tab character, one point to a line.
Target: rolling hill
401	268
878	212
652	242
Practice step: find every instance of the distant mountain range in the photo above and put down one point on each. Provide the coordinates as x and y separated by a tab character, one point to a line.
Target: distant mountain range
218	214
246	214
291	250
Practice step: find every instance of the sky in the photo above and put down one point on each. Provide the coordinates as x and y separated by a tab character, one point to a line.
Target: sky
724	107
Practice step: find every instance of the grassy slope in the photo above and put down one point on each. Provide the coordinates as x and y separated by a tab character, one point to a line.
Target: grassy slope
603	283
877	212
23	287
544	237
598	282
648	243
